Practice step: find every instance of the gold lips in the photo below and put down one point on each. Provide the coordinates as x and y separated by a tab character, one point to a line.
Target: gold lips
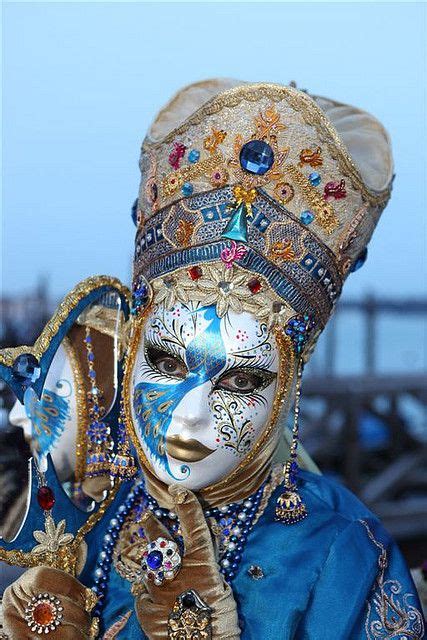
186	450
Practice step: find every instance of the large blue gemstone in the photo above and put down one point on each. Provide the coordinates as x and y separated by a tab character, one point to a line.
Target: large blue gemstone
256	157
155	559
26	368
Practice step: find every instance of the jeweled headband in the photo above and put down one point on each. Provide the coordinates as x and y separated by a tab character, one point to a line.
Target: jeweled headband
250	198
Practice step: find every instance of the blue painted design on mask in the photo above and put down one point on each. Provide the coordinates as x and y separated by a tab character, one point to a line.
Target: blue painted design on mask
48	416
154	403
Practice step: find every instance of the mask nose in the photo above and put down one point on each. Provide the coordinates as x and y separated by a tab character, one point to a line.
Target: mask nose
193	410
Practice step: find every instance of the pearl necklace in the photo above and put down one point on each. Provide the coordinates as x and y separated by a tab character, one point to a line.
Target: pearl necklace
232	525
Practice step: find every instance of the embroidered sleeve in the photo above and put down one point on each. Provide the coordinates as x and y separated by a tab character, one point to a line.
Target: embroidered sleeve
393	610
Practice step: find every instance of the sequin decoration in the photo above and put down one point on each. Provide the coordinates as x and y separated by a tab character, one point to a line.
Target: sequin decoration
299	329
184	232
335	190
211	142
219	177
232	253
284	192
140	295
311	157
282	250
176	155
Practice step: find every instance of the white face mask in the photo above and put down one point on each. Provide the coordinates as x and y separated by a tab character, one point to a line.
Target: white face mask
202	391
50	424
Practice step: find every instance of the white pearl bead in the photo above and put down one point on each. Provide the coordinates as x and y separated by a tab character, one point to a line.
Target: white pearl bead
225	563
224	509
99	573
248	504
158	513
237	531
114	522
172	515
242	516
231	546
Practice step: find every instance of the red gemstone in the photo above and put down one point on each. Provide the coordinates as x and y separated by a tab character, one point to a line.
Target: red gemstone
254	285
162	544
45	498
195	273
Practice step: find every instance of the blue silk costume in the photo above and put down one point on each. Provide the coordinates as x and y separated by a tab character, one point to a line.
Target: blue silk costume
335	575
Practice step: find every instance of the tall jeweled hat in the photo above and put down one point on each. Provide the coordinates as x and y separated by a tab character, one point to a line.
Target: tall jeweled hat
258	197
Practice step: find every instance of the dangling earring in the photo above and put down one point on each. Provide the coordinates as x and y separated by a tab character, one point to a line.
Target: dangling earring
123	465
98	457
290	507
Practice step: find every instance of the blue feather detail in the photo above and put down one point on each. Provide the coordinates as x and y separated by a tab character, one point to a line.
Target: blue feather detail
48	417
155	403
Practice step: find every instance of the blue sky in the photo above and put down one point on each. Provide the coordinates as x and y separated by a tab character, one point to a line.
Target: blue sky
82	81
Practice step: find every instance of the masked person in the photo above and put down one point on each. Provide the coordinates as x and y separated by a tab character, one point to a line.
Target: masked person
256	202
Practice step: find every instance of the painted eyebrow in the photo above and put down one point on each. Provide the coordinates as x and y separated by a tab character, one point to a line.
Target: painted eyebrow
233	363
163	344
258	361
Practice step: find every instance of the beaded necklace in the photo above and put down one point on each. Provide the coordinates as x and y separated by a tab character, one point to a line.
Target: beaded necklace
231	523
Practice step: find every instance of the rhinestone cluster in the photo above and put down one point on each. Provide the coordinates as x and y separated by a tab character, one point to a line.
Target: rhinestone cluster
43	613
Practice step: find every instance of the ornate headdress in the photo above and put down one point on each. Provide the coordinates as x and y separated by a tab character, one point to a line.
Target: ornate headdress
261	197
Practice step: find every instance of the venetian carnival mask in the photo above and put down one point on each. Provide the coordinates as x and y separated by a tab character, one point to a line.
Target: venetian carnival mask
49	423
256	202
203	388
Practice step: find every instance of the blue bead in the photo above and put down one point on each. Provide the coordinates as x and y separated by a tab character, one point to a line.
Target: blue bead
154	559
256	157
193	156
187	189
307	217
26	368
314	178
360	260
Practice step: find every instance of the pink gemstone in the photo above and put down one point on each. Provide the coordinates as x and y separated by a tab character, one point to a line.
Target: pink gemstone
45	498
168	565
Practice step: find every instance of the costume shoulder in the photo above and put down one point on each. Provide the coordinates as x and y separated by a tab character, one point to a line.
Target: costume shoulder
337	574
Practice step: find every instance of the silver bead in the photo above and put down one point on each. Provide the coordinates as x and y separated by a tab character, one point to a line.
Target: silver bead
172	515
114	522
231	546
158	513
224	508
225	563
237	531
248	504
99	573
107	538
242	517
102	555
